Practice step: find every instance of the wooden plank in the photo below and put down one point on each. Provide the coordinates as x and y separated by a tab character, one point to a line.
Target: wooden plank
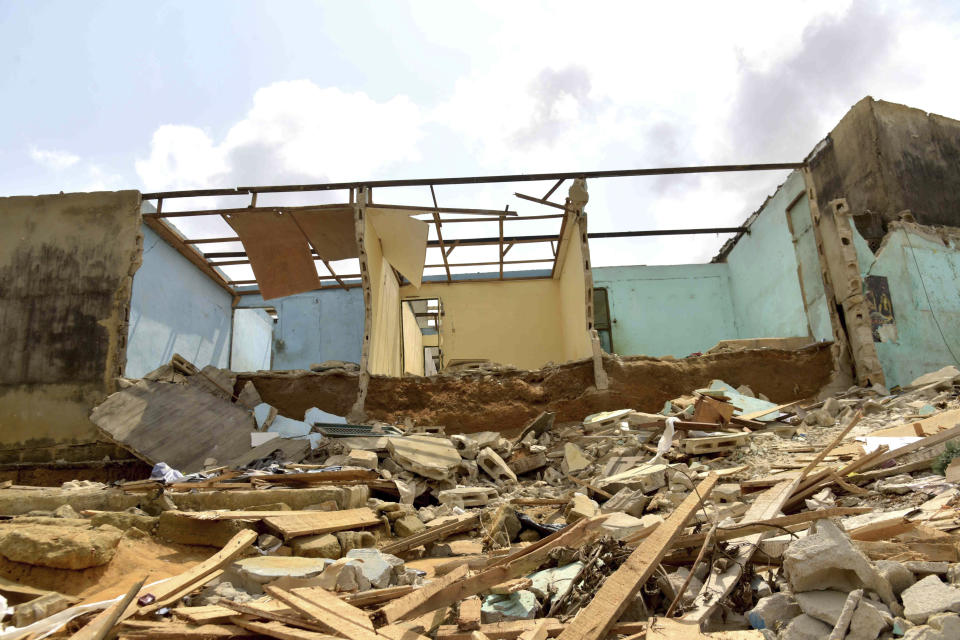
376	596
267	611
469	617
513	629
323	616
753	415
101	626
327	600
209	614
168	631
464	523
718	586
279	630
167	592
929	441
174	239
618	590
398	632
304	523
538	632
412	604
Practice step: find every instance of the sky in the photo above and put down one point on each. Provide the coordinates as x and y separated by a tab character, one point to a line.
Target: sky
181	95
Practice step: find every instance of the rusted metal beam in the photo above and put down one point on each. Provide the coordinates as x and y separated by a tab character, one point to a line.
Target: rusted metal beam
436	222
521	177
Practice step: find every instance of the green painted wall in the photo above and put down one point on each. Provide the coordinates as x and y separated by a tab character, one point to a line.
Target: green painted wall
667	310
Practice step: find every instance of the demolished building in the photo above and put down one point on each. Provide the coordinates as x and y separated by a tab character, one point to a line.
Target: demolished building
538	450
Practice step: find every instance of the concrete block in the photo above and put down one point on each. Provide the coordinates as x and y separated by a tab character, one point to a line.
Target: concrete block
468	496
375	566
773	612
466	447
408	526
529	463
430	457
805	627
629	501
59	547
928	597
868	618
361	458
581	507
320	546
355	540
174	527
520	605
647	478
494	466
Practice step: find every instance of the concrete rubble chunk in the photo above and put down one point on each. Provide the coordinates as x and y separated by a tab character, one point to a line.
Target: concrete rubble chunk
773	612
554	583
344	575
947	375
805	627
526	464
899	577
942	626
430	457
376	567
59	547
928	597
519	605
408	526
355	540
319	546
466	447
361	458
868	619
621	525
629	501
581	507
828	560
646	478
491	462
574	459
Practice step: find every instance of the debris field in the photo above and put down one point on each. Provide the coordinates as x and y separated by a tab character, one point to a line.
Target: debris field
724	514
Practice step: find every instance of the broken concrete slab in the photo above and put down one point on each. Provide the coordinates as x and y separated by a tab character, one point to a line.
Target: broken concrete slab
581	507
520	605
805	627
554	583
868	619
324	545
946	375
574	459
468	496
928	597
773	612
434	458
408	526
629	501
251	574
526	464
646	478
363	459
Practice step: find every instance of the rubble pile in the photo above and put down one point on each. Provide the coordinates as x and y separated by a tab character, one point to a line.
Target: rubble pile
722	515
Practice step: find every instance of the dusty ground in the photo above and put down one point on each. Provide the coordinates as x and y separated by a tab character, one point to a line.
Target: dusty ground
134	559
506	400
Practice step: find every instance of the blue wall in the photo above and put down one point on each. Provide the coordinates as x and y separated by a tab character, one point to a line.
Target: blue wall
175	308
252	340
667	310
315	326
923	274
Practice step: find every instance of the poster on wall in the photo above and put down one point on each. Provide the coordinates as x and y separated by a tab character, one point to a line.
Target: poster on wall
883	325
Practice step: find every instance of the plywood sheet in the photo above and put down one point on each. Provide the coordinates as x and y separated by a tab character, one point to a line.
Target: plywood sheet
330	231
174	423
278	252
404	241
313	522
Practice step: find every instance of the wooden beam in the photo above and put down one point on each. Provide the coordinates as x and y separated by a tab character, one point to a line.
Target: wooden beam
553	188
539	201
412	604
329	619
607	605
501	248
432	534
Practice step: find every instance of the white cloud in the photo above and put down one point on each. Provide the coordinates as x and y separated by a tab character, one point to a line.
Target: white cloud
54	159
295	132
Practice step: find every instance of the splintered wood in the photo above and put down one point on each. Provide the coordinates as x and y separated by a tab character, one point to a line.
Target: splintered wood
595	621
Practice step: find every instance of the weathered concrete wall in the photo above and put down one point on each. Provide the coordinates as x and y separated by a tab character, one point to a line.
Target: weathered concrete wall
885	157
175	308
66	270
917	326
314	326
764	276
670	310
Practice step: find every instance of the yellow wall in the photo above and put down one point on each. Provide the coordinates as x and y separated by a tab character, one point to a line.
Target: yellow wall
573	295
510	322
384	355
412	342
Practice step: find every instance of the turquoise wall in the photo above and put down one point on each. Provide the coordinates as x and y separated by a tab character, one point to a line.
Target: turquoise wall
667	310
764	280
175	308
808	260
924	281
315	326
